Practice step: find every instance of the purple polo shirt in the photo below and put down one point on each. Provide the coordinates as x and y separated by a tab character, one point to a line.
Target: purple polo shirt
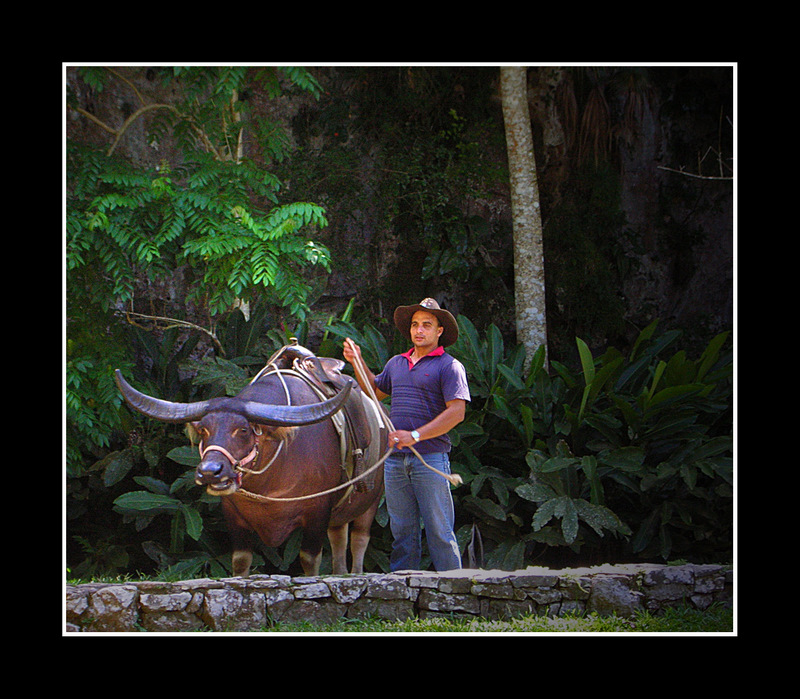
421	391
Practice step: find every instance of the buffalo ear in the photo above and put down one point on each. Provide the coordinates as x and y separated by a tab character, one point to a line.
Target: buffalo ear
192	432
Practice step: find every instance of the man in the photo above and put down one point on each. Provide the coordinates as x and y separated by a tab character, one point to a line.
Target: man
429	395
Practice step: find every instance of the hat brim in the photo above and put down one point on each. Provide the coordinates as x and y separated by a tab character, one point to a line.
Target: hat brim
404	314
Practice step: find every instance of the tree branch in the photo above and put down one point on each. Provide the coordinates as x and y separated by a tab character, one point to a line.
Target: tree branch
175	323
132	118
691	174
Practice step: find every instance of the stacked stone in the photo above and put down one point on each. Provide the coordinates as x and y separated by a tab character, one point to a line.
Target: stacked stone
256	602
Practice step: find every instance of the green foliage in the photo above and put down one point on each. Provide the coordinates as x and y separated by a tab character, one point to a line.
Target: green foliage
636	447
213	218
633	449
124	224
138	508
434	176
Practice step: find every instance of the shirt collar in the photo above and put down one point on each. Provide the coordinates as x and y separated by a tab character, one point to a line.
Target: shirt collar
438	352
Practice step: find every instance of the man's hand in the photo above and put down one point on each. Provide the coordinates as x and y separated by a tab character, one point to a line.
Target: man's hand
401	439
351	352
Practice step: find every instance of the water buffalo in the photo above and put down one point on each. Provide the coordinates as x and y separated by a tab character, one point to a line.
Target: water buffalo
259	444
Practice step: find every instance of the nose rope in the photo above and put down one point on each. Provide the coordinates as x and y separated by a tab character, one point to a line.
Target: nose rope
236	464
269	463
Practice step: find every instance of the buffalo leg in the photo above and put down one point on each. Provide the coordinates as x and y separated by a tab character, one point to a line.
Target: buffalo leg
311	547
241	561
241	541
338	538
310	562
359	537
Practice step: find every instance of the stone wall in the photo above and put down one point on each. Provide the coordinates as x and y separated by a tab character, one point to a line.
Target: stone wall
250	604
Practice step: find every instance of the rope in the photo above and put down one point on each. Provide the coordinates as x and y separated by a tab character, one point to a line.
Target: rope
267	498
453	478
269	463
342	486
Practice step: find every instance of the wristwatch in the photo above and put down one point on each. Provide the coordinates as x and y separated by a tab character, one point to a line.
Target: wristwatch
415	435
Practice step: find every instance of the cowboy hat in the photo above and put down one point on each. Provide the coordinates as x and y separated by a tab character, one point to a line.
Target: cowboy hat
403	315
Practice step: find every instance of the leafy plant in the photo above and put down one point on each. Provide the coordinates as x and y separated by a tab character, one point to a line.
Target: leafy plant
128	224
139	506
634	450
631	449
213	219
636	447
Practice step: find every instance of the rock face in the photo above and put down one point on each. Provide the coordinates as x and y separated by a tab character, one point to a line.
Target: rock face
259	601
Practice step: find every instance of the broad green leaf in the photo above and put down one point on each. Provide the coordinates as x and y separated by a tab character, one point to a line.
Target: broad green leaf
709	356
469	429
600	518
569	520
511	377
194	521
714	447
509	555
117	466
494	351
673	394
527	423
488	507
185	456
587	362
544	513
154	485
624	458
143	501
537	362
535	492
645	335
689	475
557	463
291	548
589	466
601	376
657	377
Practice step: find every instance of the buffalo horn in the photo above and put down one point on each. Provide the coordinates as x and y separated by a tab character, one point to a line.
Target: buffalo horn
164	410
264	413
295	415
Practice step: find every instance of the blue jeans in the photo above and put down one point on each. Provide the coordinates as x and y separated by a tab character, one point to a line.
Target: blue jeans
414	493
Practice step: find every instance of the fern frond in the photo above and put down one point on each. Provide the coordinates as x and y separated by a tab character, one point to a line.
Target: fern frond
289	217
171	227
303	79
214	246
240	277
265	265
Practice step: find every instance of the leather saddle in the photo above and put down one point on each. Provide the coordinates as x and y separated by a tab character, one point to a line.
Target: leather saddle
363	425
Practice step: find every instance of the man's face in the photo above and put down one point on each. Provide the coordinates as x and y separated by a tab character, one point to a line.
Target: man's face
425	330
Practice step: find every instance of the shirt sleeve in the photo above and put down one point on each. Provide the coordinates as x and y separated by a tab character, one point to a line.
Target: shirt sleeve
454	383
383	381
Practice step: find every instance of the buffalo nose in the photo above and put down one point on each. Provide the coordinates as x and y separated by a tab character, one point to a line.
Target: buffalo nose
208	471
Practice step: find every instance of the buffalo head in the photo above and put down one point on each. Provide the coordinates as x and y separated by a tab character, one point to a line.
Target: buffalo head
229	428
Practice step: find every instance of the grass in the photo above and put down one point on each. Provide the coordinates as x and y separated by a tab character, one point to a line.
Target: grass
681	620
